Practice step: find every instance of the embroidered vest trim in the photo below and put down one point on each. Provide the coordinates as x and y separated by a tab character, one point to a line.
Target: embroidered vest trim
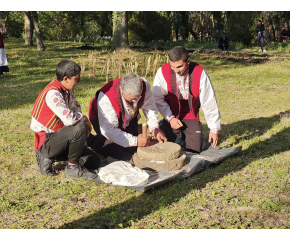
172	98
42	113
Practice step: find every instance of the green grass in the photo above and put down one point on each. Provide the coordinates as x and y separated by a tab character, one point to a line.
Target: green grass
251	190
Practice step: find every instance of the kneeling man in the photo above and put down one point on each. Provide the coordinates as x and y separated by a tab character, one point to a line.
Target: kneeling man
60	127
180	88
114	114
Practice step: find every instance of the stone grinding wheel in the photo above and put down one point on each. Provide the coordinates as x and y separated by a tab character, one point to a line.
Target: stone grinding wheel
160	152
162	157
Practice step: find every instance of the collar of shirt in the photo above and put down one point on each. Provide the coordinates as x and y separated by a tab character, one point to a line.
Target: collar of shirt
130	107
183	85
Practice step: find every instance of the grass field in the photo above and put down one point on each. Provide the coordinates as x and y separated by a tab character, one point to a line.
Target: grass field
251	190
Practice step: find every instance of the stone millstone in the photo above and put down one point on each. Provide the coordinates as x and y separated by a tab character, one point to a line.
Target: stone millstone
163	157
173	165
160	152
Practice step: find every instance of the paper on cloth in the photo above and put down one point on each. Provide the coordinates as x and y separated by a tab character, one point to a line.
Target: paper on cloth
122	173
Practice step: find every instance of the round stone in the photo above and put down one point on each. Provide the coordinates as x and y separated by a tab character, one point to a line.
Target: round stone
162	152
172	165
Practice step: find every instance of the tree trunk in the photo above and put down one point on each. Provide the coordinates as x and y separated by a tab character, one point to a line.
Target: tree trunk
40	45
120	31
28	28
201	25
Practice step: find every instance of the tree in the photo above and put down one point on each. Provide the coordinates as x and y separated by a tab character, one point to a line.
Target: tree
120	41
40	45
28	28
242	25
142	26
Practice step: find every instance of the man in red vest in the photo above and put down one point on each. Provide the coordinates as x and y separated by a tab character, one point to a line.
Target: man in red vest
114	114
60	127
180	88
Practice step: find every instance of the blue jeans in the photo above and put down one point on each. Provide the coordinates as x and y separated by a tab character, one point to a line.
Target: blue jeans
261	41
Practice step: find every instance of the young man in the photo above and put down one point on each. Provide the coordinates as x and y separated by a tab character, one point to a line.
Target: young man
60	127
180	88
114	114
260	35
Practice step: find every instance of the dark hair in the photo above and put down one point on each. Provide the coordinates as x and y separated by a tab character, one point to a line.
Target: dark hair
178	53
259	21
67	68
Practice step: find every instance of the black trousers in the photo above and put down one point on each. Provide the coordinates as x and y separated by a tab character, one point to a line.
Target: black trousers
68	144
223	47
191	133
113	150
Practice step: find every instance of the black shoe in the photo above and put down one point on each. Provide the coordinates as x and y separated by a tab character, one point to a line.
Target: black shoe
78	171
44	164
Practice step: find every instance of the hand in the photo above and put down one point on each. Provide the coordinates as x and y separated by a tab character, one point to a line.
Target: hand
175	123
88	124
143	141
214	138
160	136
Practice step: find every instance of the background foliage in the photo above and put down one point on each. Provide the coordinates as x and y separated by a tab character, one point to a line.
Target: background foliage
147	26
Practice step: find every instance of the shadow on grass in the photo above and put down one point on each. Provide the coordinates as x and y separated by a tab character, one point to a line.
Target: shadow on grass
119	216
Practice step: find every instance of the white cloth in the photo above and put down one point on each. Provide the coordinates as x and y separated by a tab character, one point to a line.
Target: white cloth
3	57
66	108
122	173
3	29
108	118
207	98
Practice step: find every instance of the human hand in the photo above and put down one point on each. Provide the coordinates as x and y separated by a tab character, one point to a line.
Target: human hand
214	138
88	124
175	123
159	135
142	141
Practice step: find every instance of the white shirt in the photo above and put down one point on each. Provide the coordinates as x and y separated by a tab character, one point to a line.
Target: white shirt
108	119
207	98
66	108
3	29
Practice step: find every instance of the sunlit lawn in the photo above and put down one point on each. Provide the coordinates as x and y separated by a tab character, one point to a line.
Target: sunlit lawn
251	190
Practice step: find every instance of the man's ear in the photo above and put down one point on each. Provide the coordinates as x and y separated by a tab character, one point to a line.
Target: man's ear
65	78
188	61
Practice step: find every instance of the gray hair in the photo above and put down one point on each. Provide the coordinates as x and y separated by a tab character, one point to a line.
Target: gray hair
131	83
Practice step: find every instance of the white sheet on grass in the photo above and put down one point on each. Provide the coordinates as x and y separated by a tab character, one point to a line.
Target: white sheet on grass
122	173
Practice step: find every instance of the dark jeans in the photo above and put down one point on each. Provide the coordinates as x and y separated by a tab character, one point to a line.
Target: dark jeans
223	47
113	150
191	132
261	41
68	144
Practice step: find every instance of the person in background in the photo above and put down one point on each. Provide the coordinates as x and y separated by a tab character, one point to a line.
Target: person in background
3	57
285	34
260	30
60	128
223	42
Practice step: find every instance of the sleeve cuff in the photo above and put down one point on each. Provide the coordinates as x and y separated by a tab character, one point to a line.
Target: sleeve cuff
169	118
135	141
214	131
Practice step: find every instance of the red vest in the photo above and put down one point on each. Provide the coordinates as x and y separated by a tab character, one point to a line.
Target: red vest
172	98
112	91
43	114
